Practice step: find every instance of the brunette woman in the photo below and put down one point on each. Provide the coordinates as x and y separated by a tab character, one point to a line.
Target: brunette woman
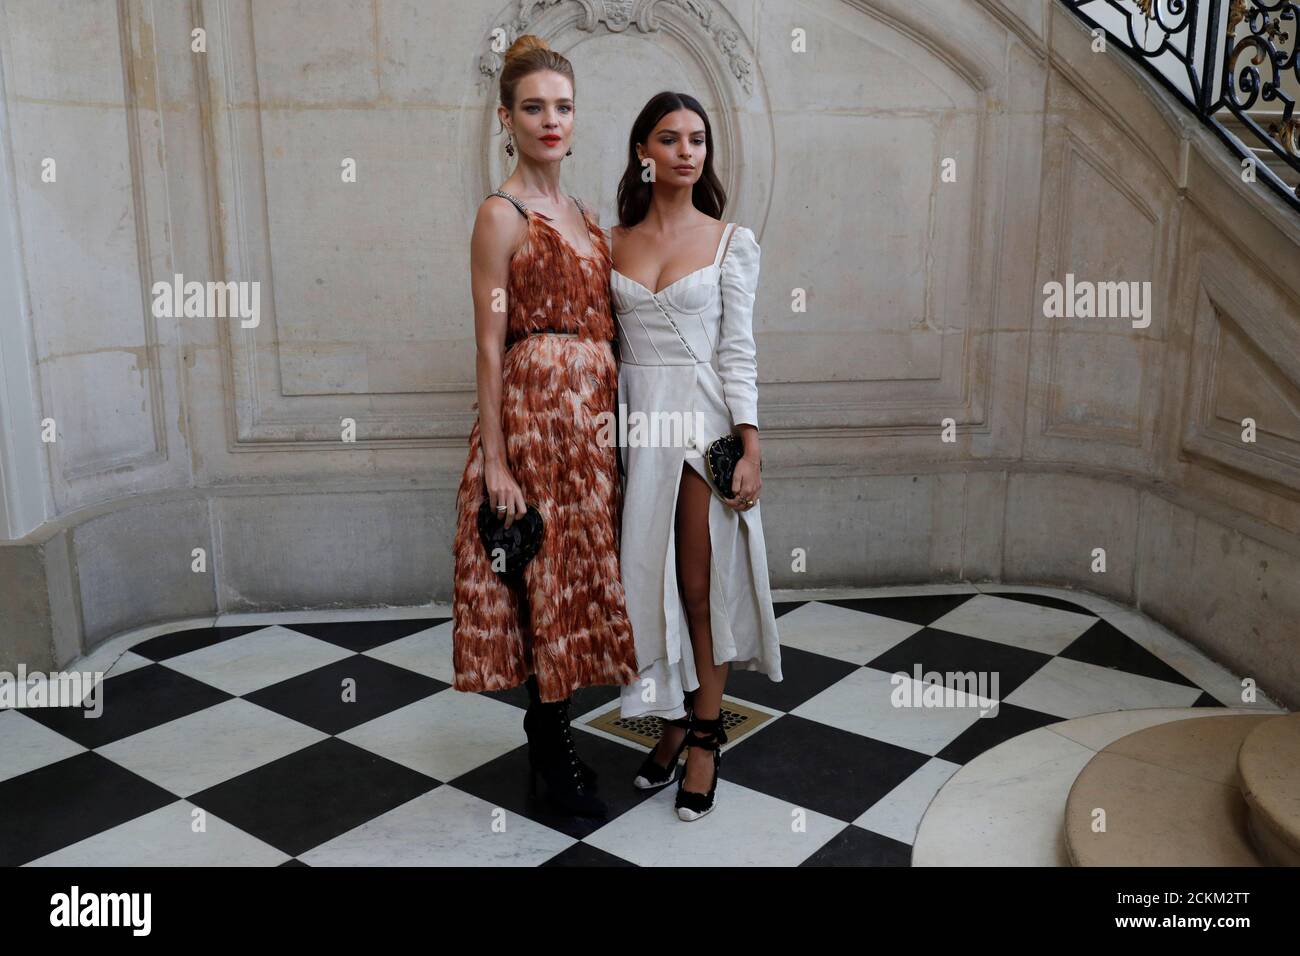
694	563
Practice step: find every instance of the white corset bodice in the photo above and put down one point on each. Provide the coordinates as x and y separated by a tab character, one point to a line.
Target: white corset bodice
705	315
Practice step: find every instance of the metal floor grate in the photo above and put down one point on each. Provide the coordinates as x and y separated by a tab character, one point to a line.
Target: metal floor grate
737	720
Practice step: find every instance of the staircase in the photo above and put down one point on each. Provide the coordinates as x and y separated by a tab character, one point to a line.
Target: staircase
1264	156
1206	791
1225	60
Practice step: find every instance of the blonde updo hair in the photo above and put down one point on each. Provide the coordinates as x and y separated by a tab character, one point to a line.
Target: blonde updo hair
530	54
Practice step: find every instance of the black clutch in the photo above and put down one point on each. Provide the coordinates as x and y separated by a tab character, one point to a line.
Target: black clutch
721	458
518	543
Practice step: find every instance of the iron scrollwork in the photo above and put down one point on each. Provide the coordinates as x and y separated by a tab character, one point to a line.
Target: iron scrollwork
1222	58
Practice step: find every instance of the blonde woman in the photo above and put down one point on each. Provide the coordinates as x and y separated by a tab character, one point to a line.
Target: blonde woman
546	374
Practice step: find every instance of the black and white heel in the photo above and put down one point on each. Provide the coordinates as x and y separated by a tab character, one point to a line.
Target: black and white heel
650	775
691	805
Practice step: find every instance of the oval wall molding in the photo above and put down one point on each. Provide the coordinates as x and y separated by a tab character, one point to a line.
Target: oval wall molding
703	31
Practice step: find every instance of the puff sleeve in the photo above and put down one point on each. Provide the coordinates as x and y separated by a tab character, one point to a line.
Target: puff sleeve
736	352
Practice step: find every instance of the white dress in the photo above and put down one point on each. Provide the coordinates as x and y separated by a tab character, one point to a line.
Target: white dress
667	341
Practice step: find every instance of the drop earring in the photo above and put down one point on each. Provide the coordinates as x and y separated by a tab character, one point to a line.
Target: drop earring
570	152
510	147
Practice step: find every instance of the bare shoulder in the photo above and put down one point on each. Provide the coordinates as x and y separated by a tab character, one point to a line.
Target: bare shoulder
499	223
633	241
632	233
498	211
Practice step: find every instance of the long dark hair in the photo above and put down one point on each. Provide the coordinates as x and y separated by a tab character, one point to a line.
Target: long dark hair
708	196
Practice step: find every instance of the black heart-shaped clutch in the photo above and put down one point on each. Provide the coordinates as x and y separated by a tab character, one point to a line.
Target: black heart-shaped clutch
721	458
518	543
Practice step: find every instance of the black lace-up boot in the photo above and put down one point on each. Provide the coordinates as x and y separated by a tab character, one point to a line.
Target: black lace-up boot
553	756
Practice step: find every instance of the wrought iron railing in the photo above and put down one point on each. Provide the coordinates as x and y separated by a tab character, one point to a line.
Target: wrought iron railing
1232	62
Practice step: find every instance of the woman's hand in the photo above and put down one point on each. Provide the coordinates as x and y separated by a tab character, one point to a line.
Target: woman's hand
502	489
745	484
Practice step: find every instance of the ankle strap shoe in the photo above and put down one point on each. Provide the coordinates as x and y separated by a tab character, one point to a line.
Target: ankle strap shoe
651	775
707	734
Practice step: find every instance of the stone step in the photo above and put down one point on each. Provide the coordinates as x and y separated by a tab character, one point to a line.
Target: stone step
1169	795
1268	766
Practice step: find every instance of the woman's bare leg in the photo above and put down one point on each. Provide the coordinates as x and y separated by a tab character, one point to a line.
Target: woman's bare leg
694	556
671	738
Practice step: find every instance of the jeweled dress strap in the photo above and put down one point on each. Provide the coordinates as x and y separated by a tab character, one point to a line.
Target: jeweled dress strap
523	210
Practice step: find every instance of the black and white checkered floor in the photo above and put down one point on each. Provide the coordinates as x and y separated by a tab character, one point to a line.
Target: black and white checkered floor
236	746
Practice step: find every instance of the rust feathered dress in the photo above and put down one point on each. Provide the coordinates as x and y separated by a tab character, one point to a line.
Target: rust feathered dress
572	628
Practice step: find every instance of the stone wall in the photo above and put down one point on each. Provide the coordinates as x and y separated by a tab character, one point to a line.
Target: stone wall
924	303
